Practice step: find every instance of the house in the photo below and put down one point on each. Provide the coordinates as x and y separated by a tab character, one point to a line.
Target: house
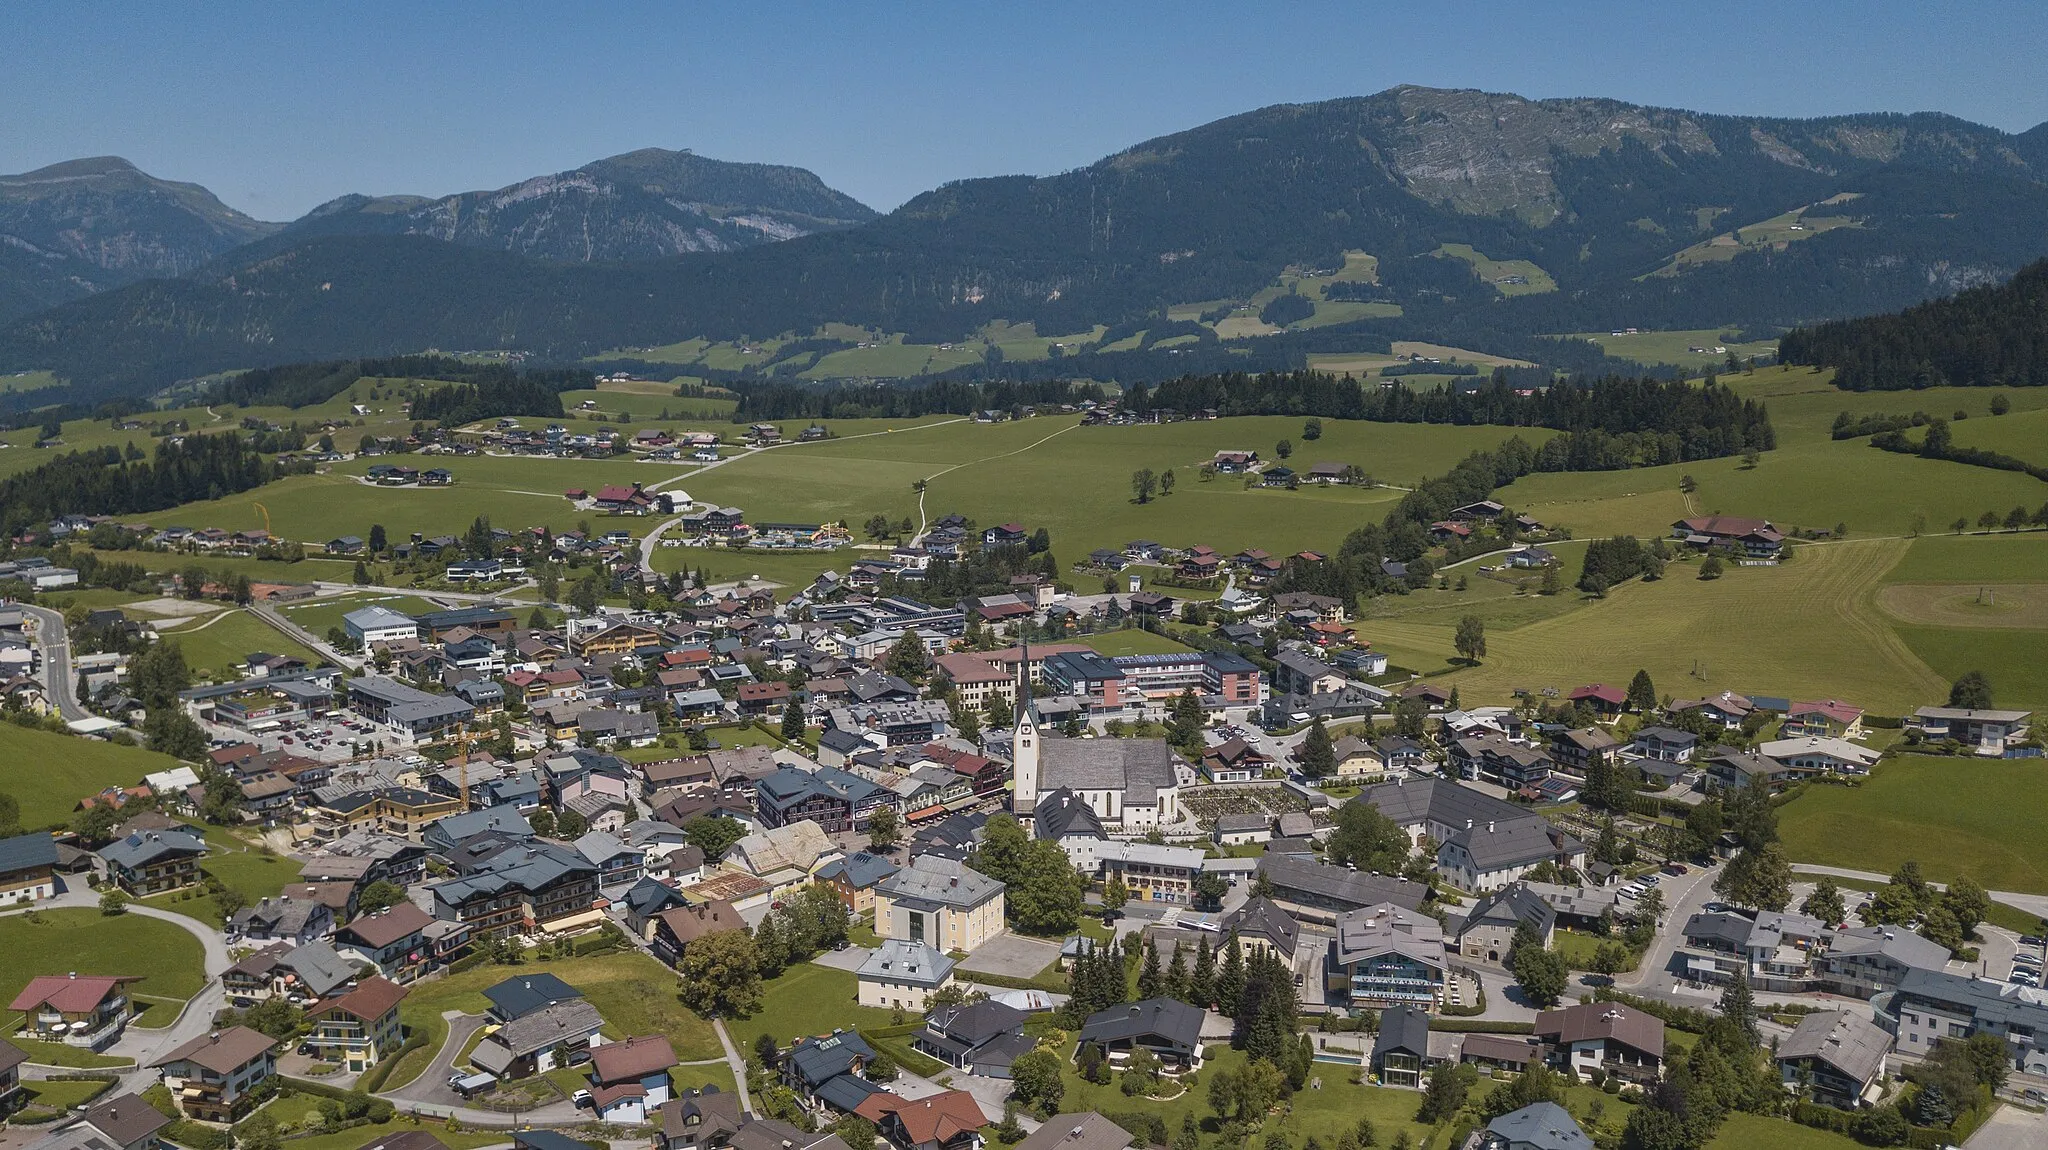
360	1028
11	1058
1527	557
76	1010
296	920
813	1063
1152	873
518	997
1495	758
212	1077
1384	956
785	856
675	928
630	1078
1811	756
1484	842
1313	890
124	1123
982	1037
1984	731
1665	744
1299	673
1827	719
1581	749
701	1119
1933	1006
540	1041
1730	769
1169	1028
1400	1051
1538	1126
1839	1057
1610	1036
1727	709
902	975
1604	700
1084	1131
152	862
1357	758
28	868
941	903
855	877
1262	927
1750	538
393	939
1488	929
1238	830
949	1120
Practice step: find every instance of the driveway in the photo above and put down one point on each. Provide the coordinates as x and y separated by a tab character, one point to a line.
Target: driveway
1012	955
432	1086
2010	1129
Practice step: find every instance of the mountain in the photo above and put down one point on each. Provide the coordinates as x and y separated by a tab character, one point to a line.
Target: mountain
1494	219
85	225
641	205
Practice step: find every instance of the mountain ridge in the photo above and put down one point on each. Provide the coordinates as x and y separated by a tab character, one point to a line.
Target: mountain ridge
1779	221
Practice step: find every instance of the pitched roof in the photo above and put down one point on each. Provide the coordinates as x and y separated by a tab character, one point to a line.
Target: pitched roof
1853	1045
1171	1019
127	1119
634	1058
1084	1131
690	923
942	881
527	993
72	994
370	1000
25	851
1403	1029
1591	1021
543	1028
221	1051
1540	1126
934	1118
385	927
912	963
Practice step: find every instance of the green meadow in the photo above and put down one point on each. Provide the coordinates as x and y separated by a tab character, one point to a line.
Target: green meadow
1956	816
48	773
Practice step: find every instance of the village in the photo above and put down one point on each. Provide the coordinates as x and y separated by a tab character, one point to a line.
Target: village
954	867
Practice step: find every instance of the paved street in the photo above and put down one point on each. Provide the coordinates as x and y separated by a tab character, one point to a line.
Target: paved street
54	641
432	1086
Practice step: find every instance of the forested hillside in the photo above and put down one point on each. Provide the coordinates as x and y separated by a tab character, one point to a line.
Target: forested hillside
1627	216
1985	337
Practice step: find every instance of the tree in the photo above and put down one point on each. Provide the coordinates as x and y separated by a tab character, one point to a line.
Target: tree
721	975
1968	902
1202	979
1759	879
1449	1085
713	835
1610	958
1149	974
1553	579
1642	694
1230	976
571	825
1471	638
258	1132
1143	483
1001	857
1166	481
792	723
1825	903
1538	1083
1035	1078
378	542
1368	840
1284	448
1189	1136
361	575
1973	691
1211	889
1245	1095
172	731
1046	899
858	1133
1114	893
1542	975
907	659
1185	723
884	828
1738	1004
1318	754
113	901
881	1068
1711	569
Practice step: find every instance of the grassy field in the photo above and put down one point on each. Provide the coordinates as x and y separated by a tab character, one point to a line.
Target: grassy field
47	773
21	381
1825	639
2012	659
1132	642
2023	434
318	616
1775	232
806	999
1956	816
167	958
1492	270
1675	347
636	995
1996	558
254	874
222	642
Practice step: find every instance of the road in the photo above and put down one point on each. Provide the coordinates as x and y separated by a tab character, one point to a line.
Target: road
1683	898
143	1045
309	640
432	1085
738	1064
2010	1129
54	641
2034	904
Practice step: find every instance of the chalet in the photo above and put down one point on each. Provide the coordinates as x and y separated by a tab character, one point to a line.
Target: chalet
1169	1028
1839	1056
1985	731
981	1037
1580	750
1603	699
360	1028
1827	719
1234	462
617	500
1727	709
1752	538
1609	1036
28	868
214	1077
76	1010
630	1078
948	1120
1665	744
153	862
1482	511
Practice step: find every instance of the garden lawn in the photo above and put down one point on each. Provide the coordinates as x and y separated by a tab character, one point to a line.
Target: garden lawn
805	999
255	874
169	960
222	643
358	1136
63	1095
1578	949
1755	1132
635	994
1955	816
58	1054
48	773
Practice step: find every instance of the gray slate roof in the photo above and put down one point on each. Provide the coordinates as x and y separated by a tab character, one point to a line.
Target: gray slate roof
941	881
1538	1126
1140	768
1854	1045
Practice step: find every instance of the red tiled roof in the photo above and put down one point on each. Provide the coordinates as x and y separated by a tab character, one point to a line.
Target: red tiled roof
372	999
1602	692
69	994
632	1059
1834	709
937	1118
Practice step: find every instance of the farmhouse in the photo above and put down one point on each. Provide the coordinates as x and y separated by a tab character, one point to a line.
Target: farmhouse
1753	538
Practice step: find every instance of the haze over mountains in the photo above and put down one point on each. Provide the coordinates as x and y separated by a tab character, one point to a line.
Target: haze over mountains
1639	216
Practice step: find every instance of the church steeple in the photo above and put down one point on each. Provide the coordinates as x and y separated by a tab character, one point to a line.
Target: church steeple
1024	742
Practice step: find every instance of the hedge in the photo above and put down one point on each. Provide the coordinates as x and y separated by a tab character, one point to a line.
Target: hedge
1143	1125
1479	1026
468	962
1684	1018
373	1081
316	1089
1008	982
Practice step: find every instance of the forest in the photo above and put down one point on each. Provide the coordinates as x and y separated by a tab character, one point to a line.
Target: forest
1994	336
103	482
306	384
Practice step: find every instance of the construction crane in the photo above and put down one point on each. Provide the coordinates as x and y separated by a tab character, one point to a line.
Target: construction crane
462	765
266	517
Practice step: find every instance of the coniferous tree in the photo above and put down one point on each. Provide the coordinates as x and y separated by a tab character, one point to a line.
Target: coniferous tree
1642	694
1230	976
1738	1003
1150	978
1202	979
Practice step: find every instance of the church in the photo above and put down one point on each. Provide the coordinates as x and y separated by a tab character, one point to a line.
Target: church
1130	784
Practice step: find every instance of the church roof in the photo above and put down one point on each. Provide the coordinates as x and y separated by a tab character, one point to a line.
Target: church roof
1140	768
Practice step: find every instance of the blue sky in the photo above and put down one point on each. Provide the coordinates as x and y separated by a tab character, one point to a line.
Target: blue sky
279	107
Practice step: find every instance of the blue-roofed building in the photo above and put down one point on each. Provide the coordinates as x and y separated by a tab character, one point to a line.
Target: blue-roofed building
1539	1126
377	624
811	1063
506	820
151	862
28	868
521	996
854	878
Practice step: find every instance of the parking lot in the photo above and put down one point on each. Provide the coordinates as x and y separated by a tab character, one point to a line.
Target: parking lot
334	739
